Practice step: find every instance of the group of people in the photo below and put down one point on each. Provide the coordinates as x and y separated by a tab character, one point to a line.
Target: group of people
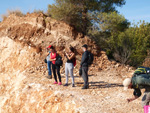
139	80
69	65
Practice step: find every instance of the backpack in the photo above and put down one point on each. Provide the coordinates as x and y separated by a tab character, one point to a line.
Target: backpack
141	81
80	71
142	70
90	58
74	62
59	61
45	60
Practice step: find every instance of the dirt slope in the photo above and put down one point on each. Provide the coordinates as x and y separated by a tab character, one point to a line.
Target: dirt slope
24	87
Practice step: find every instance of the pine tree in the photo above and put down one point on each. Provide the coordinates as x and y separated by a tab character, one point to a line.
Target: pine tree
78	12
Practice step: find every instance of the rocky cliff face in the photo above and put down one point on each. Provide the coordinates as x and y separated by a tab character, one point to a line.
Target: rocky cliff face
23	83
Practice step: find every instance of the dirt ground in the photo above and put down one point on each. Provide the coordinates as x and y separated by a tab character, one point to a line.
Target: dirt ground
105	95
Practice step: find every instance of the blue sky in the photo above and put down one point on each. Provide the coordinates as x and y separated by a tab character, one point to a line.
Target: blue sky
134	10
24	5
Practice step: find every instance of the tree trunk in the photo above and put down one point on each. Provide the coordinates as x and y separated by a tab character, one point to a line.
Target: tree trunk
84	21
84	17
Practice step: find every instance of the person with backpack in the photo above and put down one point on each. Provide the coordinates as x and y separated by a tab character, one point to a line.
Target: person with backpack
87	59
49	63
55	67
138	82
69	66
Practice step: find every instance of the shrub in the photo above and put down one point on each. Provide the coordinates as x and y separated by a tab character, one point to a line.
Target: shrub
16	12
38	11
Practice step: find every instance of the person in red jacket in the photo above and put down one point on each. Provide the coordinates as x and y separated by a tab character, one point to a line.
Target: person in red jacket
55	68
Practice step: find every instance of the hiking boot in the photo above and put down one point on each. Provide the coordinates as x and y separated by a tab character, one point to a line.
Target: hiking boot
55	82
59	83
49	76
73	85
85	87
66	84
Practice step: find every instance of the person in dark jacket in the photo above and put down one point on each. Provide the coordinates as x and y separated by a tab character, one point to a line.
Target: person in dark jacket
84	66
138	82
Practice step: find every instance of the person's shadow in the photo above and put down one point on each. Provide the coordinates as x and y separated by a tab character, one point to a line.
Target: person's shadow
78	76
101	84
97	84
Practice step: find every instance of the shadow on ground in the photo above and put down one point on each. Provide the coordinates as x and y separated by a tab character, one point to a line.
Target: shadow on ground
101	84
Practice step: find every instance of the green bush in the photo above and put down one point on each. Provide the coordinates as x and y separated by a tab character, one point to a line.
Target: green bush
126	44
129	46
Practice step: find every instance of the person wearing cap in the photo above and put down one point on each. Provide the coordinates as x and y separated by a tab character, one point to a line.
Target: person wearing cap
138	82
84	66
49	63
55	68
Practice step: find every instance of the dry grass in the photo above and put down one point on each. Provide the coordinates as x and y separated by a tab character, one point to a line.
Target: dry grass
38	11
16	12
4	16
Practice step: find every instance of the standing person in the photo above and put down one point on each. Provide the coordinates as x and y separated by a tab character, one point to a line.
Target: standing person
84	66
49	63
55	68
69	66
138	82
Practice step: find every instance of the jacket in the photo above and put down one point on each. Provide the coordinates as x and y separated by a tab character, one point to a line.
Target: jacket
84	60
